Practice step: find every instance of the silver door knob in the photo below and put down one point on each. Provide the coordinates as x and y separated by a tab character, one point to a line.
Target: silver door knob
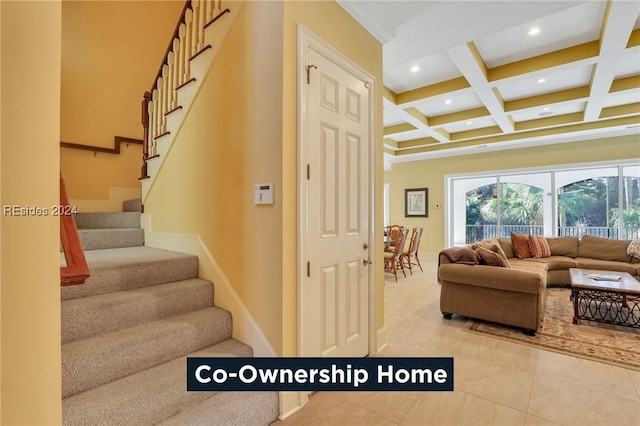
367	261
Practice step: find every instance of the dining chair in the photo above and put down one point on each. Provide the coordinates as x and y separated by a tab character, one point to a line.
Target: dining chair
393	260
412	250
392	234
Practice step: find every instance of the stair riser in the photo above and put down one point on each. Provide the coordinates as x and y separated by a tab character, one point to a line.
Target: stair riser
107	220
91	316
132	205
99	239
93	362
132	276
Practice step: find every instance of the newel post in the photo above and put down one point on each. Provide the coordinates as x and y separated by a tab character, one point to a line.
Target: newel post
145	138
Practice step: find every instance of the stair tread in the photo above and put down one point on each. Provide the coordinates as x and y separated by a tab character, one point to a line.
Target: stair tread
146	397
127	268
89	316
97	360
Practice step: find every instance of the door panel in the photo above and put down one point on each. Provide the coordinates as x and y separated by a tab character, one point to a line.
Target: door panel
337	209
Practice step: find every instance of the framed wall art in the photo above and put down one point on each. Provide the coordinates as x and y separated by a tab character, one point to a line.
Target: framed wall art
416	202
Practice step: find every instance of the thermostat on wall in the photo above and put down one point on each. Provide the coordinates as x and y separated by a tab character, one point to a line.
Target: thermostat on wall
263	193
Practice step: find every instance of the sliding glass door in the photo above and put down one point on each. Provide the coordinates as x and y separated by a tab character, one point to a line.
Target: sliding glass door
602	201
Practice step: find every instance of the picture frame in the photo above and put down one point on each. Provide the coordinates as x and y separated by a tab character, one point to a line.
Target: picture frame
416	202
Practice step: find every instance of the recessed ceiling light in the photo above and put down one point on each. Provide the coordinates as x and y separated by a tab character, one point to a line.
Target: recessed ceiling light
545	109
415	68
448	101
545	113
533	31
469	122
542	80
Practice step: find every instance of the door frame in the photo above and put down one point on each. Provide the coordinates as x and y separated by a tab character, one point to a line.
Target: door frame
307	39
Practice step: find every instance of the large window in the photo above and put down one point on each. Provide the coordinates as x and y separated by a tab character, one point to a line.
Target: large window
601	201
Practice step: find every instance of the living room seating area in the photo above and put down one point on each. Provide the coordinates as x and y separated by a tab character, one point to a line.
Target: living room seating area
506	281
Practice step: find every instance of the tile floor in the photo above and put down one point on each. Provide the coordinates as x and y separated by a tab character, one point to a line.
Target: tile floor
496	382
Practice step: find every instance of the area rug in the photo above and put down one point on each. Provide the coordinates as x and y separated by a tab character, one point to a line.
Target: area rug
605	343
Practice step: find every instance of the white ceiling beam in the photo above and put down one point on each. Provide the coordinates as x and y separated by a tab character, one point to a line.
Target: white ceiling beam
620	18
468	60
413	117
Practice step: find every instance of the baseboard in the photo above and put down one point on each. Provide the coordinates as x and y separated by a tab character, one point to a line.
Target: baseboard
245	327
291	402
381	339
113	204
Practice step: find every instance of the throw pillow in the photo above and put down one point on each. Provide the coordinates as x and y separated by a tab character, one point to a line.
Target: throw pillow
539	246
520	243
492	245
492	258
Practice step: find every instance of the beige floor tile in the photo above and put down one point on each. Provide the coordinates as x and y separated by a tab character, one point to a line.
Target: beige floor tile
496	382
569	404
327	408
506	386
499	352
537	421
587	374
391	405
461	408
635	379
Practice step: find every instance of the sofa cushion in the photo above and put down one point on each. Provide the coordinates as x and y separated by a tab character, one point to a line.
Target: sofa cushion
538	246
603	248
606	265
522	281
555	262
492	258
564	246
507	247
520	243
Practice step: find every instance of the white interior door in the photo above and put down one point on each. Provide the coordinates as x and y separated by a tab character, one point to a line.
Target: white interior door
337	208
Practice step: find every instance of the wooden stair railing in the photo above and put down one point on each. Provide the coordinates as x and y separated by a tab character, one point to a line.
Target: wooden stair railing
187	42
76	271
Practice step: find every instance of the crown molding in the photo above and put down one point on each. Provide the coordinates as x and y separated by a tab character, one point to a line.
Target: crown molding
356	9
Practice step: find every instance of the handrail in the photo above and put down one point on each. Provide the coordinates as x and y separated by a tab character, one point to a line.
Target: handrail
117	141
77	270
186	43
176	34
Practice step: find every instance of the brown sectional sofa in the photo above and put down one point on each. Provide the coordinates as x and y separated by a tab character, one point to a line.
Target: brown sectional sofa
515	296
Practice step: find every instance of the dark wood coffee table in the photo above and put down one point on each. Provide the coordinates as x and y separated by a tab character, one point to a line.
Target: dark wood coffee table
607	301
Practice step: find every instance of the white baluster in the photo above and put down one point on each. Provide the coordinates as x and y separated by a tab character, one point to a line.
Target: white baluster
195	19
188	19
166	105
202	21
208	7
182	59
156	125
170	87
161	101
175	74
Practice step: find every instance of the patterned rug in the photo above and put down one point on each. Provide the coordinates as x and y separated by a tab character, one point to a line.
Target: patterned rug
610	344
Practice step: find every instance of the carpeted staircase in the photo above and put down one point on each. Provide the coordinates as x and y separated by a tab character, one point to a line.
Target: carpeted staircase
127	331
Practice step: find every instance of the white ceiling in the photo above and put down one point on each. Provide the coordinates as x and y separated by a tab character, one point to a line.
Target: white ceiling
479	88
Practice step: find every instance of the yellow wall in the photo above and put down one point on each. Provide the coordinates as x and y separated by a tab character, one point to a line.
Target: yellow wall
331	23
430	173
29	152
240	131
111	52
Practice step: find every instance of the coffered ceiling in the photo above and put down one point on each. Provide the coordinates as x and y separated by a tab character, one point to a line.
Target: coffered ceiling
469	76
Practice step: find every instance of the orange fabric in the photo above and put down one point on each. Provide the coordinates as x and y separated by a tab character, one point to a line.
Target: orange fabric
539	246
520	243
